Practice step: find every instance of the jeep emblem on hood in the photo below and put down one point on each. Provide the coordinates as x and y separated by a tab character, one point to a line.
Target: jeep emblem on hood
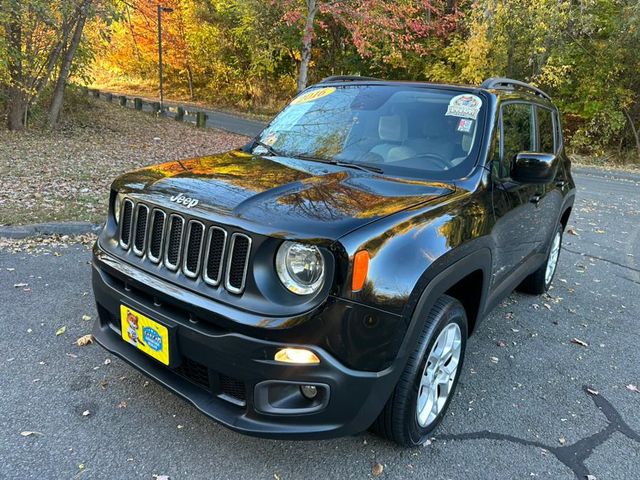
186	201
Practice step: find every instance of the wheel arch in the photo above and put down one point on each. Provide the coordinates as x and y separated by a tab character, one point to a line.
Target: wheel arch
460	280
564	218
567	208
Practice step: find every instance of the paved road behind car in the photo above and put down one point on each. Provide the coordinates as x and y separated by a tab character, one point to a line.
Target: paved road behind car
522	409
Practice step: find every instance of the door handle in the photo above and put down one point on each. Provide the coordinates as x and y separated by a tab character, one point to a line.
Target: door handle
535	198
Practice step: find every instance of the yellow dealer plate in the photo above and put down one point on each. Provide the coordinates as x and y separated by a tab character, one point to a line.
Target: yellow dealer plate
144	333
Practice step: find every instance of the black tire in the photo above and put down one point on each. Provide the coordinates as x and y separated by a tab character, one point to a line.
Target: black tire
536	283
398	421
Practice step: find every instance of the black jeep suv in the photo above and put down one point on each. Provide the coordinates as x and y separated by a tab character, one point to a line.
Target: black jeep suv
324	278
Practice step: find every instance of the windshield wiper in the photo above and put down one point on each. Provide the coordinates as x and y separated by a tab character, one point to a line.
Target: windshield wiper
359	166
339	163
267	147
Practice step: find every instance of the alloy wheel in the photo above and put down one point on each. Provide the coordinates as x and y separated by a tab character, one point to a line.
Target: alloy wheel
439	374
552	261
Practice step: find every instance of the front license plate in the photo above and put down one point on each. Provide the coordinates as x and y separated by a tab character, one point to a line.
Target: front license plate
144	333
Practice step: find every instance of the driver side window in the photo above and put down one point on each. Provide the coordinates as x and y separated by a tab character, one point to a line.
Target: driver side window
517	134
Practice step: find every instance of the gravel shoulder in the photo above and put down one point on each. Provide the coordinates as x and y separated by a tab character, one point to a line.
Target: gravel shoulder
62	175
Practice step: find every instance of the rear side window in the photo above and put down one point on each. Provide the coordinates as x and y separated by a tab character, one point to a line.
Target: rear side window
546	140
517	133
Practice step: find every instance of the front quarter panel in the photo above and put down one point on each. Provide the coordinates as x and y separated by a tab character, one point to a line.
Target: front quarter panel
410	248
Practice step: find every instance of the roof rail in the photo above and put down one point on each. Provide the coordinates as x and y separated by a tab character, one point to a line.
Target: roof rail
508	83
347	78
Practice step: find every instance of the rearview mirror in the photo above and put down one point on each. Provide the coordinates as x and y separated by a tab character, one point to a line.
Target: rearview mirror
532	167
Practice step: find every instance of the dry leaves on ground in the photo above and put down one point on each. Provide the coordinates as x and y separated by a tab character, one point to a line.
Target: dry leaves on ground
45	244
577	341
66	174
377	470
85	340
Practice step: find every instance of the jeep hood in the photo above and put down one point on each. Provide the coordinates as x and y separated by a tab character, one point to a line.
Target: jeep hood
278	196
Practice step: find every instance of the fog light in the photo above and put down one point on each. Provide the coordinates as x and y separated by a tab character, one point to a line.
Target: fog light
309	391
296	355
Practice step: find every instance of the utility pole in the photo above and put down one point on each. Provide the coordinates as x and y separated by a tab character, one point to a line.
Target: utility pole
160	10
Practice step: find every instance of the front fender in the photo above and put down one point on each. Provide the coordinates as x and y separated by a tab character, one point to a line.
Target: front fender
409	249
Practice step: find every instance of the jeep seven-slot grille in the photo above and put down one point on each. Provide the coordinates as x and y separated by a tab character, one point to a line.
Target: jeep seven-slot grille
214	255
141	229
188	246
157	234
174	245
193	249
238	259
125	229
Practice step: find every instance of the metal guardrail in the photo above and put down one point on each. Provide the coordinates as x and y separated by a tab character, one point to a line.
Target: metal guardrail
183	113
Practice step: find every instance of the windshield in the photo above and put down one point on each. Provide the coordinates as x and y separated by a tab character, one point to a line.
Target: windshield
403	130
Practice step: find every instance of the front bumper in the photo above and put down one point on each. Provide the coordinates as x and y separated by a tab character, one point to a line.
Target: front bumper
229	375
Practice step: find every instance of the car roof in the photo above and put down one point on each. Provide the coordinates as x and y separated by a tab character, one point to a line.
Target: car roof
497	86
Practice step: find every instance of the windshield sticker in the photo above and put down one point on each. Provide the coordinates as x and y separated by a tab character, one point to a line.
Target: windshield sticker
465	106
465	125
313	95
270	139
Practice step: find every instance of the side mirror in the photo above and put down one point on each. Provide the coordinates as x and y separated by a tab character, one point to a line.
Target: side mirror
532	167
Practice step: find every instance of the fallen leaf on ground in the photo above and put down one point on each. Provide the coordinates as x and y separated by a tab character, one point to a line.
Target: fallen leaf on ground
592	391
85	340
86	317
493	359
107	361
86	413
28	433
20	285
590	477
377	470
633	388
577	341
60	331
502	343
160	477
562	440
122	404
572	231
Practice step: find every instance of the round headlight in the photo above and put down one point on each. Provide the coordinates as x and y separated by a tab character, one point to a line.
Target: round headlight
300	267
117	206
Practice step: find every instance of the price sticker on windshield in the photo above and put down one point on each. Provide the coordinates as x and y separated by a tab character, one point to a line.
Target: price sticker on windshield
313	95
464	106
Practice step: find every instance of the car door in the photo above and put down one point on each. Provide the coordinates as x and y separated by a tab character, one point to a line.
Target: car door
549	203
517	226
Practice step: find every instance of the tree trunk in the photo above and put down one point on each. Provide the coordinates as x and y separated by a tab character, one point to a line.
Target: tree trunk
41	83
636	136
190	79
65	68
17	105
307	39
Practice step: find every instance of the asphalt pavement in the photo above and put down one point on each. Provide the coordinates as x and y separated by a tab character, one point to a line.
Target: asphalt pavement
522	408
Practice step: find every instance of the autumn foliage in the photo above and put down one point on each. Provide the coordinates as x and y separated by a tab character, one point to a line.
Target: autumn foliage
254	54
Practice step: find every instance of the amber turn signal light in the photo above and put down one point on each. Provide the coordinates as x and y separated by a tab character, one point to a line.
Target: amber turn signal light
360	270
